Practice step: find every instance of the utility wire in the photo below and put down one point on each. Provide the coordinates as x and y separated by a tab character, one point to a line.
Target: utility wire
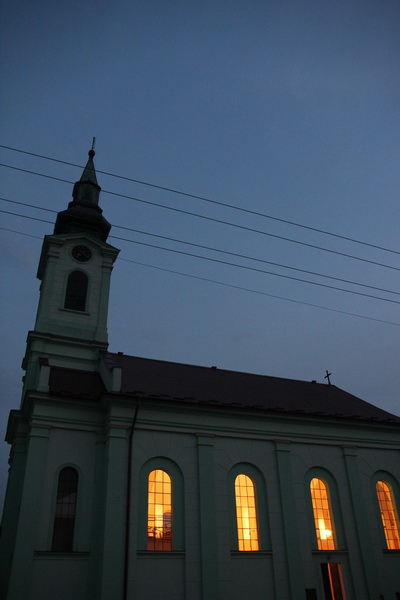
246	267
205	199
260	260
171	239
237	287
37	237
214	220
215	260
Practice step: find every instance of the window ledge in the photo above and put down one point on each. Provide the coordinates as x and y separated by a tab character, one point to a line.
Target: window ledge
160	554
387	551
72	310
328	552
61	555
252	553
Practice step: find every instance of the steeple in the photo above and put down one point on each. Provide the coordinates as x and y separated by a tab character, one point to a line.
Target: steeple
87	190
84	213
75	267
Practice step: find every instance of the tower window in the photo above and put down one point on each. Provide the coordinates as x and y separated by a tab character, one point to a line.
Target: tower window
246	513
63	533
323	518
389	514
159	520
76	293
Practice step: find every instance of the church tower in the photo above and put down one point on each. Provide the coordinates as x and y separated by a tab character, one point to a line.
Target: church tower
60	437
75	269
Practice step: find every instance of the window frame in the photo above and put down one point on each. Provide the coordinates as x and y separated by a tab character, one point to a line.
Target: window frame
335	508
75	529
166	482
395	489
67	281
260	494
330	517
177	483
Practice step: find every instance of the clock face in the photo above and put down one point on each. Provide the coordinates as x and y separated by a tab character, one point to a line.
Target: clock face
81	253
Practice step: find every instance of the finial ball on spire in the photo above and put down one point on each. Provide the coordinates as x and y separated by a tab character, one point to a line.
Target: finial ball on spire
91	151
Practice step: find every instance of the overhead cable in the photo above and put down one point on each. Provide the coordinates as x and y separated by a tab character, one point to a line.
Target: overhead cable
214	220
237	287
218	250
205	199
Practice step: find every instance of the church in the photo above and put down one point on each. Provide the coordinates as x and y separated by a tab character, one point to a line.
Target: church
141	479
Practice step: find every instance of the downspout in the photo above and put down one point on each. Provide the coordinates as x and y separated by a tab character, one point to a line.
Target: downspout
128	502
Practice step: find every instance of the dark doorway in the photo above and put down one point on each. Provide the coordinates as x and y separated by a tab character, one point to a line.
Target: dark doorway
333	581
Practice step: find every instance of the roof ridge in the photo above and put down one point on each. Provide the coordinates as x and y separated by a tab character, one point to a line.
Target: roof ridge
223	370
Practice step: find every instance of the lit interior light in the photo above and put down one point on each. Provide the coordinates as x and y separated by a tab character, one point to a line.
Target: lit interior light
158	519
246	523
323	532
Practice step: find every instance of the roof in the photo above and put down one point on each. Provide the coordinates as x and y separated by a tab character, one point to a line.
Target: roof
209	385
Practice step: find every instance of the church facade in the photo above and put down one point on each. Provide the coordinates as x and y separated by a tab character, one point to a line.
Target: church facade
136	479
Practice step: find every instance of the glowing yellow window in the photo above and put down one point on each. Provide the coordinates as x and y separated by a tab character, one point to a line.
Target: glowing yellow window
322	515
389	515
159	521
246	513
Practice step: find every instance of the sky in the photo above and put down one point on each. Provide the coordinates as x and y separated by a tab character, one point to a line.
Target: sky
276	110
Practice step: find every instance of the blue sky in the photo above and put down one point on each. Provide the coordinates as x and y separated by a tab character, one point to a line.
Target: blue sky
285	108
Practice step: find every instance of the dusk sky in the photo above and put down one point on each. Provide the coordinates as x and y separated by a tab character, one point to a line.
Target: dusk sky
282	108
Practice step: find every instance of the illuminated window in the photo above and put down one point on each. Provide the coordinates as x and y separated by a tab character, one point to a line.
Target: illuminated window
75	295
159	520
322	515
246	513
64	521
389	515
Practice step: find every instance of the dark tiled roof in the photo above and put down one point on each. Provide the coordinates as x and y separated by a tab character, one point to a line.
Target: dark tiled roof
161	379
72	382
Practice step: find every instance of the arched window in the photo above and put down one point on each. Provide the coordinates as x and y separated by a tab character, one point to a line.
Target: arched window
159	515
64	521
246	513
75	295
323	518
389	514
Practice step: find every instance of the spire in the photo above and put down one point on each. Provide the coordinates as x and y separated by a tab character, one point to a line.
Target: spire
84	214
87	190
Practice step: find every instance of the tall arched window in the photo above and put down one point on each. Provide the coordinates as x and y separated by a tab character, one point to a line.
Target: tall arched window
76	292
64	521
159	516
323	518
246	513
389	514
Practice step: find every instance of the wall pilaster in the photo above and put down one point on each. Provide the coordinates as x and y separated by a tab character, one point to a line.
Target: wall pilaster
20	576
361	522
208	524
291	534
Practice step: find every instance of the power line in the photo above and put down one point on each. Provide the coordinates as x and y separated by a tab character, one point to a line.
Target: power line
209	200
267	262
215	260
246	267
214	220
234	286
220	251
37	237
238	287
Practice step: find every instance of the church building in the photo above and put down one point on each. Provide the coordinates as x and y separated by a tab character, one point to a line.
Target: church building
140	479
